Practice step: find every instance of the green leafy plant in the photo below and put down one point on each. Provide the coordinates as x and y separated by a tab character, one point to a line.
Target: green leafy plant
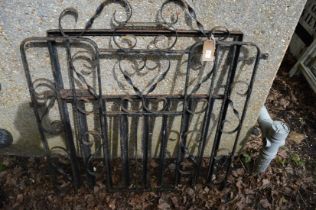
280	161
296	160
2	167
246	158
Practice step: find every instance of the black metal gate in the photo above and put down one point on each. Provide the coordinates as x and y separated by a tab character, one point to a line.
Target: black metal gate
145	104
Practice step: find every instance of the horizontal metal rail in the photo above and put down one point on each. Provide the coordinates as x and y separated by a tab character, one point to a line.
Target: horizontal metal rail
140	32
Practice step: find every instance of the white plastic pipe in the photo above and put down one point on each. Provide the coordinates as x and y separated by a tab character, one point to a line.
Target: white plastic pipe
274	134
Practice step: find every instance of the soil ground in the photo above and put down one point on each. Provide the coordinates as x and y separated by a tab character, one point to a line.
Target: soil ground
289	183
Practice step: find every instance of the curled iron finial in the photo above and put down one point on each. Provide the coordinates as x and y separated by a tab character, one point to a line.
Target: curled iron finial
68	11
190	11
220	28
114	21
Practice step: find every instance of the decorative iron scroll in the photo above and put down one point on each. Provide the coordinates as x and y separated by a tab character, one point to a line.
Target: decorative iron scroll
145	103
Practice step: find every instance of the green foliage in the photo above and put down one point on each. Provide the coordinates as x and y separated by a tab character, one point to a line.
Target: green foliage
2	167
246	158
296	160
280	161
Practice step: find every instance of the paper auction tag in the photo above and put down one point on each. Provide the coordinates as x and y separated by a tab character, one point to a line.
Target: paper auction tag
208	53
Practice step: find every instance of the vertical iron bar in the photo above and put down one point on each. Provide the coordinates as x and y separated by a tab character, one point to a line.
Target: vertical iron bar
206	120
124	145
33	96
223	111
35	110
249	91
163	146
145	144
103	126
104	135
184	121
64	112
84	139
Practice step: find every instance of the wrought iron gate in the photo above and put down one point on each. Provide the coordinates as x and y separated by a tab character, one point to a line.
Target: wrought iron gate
145	104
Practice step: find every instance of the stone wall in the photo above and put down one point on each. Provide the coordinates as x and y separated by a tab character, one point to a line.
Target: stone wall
268	23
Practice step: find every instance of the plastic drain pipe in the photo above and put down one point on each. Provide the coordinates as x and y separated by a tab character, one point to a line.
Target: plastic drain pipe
274	134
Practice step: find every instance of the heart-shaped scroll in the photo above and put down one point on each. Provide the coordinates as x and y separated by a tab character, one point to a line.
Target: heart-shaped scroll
152	84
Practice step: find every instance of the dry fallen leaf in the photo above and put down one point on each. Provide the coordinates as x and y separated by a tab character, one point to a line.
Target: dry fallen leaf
284	103
153	164
96	189
265	203
241	203
238	172
283	153
265	182
112	204
190	192
163	204
19	198
239	184
175	202
296	138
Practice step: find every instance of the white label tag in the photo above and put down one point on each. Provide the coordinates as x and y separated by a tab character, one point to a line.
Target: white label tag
208	50
208	54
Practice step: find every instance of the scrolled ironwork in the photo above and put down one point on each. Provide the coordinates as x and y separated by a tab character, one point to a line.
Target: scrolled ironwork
190	11
226	121
246	84
46	97
152	84
59	156
130	42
